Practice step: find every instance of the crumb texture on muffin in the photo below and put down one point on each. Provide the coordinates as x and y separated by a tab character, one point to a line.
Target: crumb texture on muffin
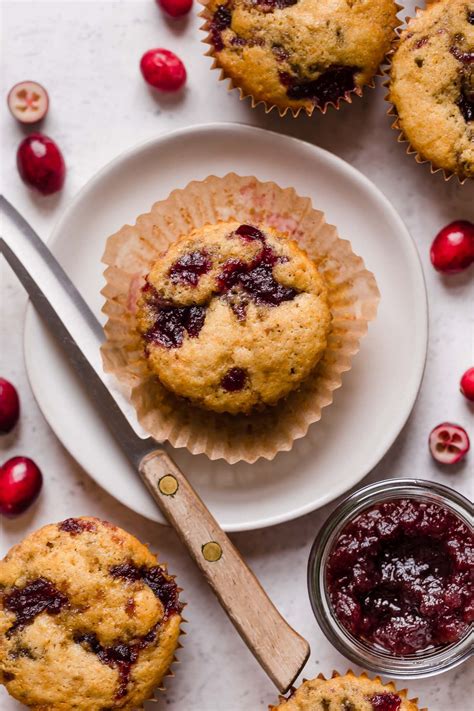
300	53
432	85
233	317
89	620
347	693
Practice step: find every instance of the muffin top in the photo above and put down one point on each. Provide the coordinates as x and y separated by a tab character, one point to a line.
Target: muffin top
432	85
300	53
233	317
347	693
88	619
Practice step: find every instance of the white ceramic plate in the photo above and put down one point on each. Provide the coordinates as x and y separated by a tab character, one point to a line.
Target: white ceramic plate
377	394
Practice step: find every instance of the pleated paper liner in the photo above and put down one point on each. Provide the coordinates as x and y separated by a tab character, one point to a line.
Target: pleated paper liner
392	111
300	699
283	110
129	254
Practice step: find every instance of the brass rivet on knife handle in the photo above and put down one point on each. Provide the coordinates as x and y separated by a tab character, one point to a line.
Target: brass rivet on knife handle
212	551
280	650
168	485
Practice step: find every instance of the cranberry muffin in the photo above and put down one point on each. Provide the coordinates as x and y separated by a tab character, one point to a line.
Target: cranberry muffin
89	620
233	317
347	693
432	85
300	54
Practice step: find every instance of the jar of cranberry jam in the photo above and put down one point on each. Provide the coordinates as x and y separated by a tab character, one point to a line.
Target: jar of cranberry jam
391	578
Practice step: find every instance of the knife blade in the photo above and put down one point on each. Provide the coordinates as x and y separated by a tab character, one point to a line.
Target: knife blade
280	650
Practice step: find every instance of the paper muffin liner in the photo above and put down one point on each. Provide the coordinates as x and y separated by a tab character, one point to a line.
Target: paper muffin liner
129	254
283	110
393	113
389	686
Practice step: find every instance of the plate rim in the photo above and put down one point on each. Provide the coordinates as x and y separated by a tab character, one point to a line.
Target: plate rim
408	242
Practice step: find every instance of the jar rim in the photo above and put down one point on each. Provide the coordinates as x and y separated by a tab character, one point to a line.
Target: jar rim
421	664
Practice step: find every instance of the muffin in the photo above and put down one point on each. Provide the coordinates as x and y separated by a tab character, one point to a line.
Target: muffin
347	693
299	54
432	85
89	620
233	317
130	254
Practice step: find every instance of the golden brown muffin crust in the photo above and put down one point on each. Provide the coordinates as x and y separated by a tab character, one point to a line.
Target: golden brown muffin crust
88	620
300	53
347	693
247	348
432	85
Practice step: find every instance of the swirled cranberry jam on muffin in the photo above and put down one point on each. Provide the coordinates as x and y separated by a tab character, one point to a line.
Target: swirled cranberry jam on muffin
89	620
300	54
347	693
432	85
233	316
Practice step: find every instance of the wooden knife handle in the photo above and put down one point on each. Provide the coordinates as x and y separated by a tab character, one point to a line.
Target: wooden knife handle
280	650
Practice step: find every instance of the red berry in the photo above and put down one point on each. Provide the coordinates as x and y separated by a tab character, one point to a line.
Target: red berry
28	101
453	247
449	443
175	8
41	164
467	384
163	70
9	406
20	484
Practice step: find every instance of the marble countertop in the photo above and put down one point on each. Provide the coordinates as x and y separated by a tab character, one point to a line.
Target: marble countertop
87	54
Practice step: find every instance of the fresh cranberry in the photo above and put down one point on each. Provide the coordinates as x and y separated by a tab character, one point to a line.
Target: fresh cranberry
467	384
9	406
175	8
453	247
28	102
20	485
163	70
449	443
41	164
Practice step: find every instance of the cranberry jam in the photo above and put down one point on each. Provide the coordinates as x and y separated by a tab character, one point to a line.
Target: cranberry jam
390	577
399	576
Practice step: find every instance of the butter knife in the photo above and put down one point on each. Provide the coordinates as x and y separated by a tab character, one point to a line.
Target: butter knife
280	650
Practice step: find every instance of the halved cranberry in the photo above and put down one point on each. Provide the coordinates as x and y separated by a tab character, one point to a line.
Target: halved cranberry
9	406
452	250
20	485
175	8
163	70
41	164
449	443
467	384
28	101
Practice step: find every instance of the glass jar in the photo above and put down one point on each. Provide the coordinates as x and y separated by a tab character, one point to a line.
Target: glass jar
418	665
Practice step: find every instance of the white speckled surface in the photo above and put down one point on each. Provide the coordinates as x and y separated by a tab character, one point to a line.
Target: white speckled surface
87	54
